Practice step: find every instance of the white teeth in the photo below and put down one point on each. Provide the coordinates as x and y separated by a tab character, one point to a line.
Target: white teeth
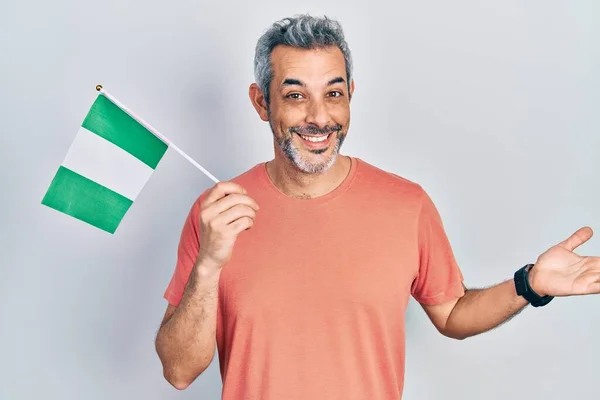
314	139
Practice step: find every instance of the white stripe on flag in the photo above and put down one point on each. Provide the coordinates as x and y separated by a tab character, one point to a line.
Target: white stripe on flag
101	161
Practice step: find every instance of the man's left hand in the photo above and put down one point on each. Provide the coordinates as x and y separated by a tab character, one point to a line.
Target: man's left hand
561	272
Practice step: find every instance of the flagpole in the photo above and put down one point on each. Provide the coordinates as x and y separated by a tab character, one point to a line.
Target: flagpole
155	132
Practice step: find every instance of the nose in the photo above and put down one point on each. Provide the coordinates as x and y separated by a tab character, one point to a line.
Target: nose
317	113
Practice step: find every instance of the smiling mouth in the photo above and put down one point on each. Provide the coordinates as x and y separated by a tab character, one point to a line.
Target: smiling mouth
315	138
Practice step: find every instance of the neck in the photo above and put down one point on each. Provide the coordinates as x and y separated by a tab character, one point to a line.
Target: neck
297	184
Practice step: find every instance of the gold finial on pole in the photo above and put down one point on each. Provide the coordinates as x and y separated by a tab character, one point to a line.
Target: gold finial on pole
98	87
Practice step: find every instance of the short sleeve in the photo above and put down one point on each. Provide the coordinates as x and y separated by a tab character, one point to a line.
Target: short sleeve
187	252
439	278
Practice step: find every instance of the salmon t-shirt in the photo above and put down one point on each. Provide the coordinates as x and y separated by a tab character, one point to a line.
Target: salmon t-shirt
312	304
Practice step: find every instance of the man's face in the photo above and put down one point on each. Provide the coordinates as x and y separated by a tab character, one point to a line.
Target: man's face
309	110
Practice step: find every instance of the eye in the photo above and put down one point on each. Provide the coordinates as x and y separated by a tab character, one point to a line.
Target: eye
294	96
336	93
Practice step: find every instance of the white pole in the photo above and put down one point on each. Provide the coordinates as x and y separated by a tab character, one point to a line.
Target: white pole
155	132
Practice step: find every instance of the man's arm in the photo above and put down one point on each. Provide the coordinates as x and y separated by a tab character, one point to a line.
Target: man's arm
477	311
185	342
556	272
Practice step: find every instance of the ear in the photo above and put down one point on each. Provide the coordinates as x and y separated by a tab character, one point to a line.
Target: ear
258	101
351	90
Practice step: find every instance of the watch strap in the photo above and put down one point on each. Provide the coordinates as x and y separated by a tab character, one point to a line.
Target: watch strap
521	279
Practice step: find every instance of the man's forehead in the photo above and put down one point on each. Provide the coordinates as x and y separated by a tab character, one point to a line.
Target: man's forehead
324	63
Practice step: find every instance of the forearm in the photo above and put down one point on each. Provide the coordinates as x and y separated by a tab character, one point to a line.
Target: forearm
481	310
186	341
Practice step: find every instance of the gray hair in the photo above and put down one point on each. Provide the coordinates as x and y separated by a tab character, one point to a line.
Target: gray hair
302	31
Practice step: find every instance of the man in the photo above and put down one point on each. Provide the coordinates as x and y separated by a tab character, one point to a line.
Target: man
300	269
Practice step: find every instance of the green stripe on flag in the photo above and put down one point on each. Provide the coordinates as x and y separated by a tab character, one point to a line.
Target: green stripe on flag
115	125
86	200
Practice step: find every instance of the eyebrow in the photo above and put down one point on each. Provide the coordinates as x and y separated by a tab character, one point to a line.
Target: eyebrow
298	82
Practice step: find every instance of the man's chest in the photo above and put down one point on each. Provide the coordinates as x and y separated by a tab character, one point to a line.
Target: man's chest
361	263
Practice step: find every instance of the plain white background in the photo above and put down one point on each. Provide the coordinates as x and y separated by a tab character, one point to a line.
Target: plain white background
492	107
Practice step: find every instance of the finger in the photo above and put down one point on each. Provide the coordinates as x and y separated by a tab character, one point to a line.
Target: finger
231	200
225	203
241	224
577	239
593	288
234	213
221	190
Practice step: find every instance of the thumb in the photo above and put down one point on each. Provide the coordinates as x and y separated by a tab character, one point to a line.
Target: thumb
577	239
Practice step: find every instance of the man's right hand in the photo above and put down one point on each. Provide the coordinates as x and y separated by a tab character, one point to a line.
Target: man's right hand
225	212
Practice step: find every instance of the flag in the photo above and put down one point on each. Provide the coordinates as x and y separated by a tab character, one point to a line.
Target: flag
106	167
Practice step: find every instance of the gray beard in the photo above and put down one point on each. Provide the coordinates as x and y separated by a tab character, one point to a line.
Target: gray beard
293	154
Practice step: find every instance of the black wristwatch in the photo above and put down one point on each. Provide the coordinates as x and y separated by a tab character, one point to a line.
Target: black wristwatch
523	289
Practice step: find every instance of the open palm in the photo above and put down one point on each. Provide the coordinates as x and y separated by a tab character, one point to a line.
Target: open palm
561	272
